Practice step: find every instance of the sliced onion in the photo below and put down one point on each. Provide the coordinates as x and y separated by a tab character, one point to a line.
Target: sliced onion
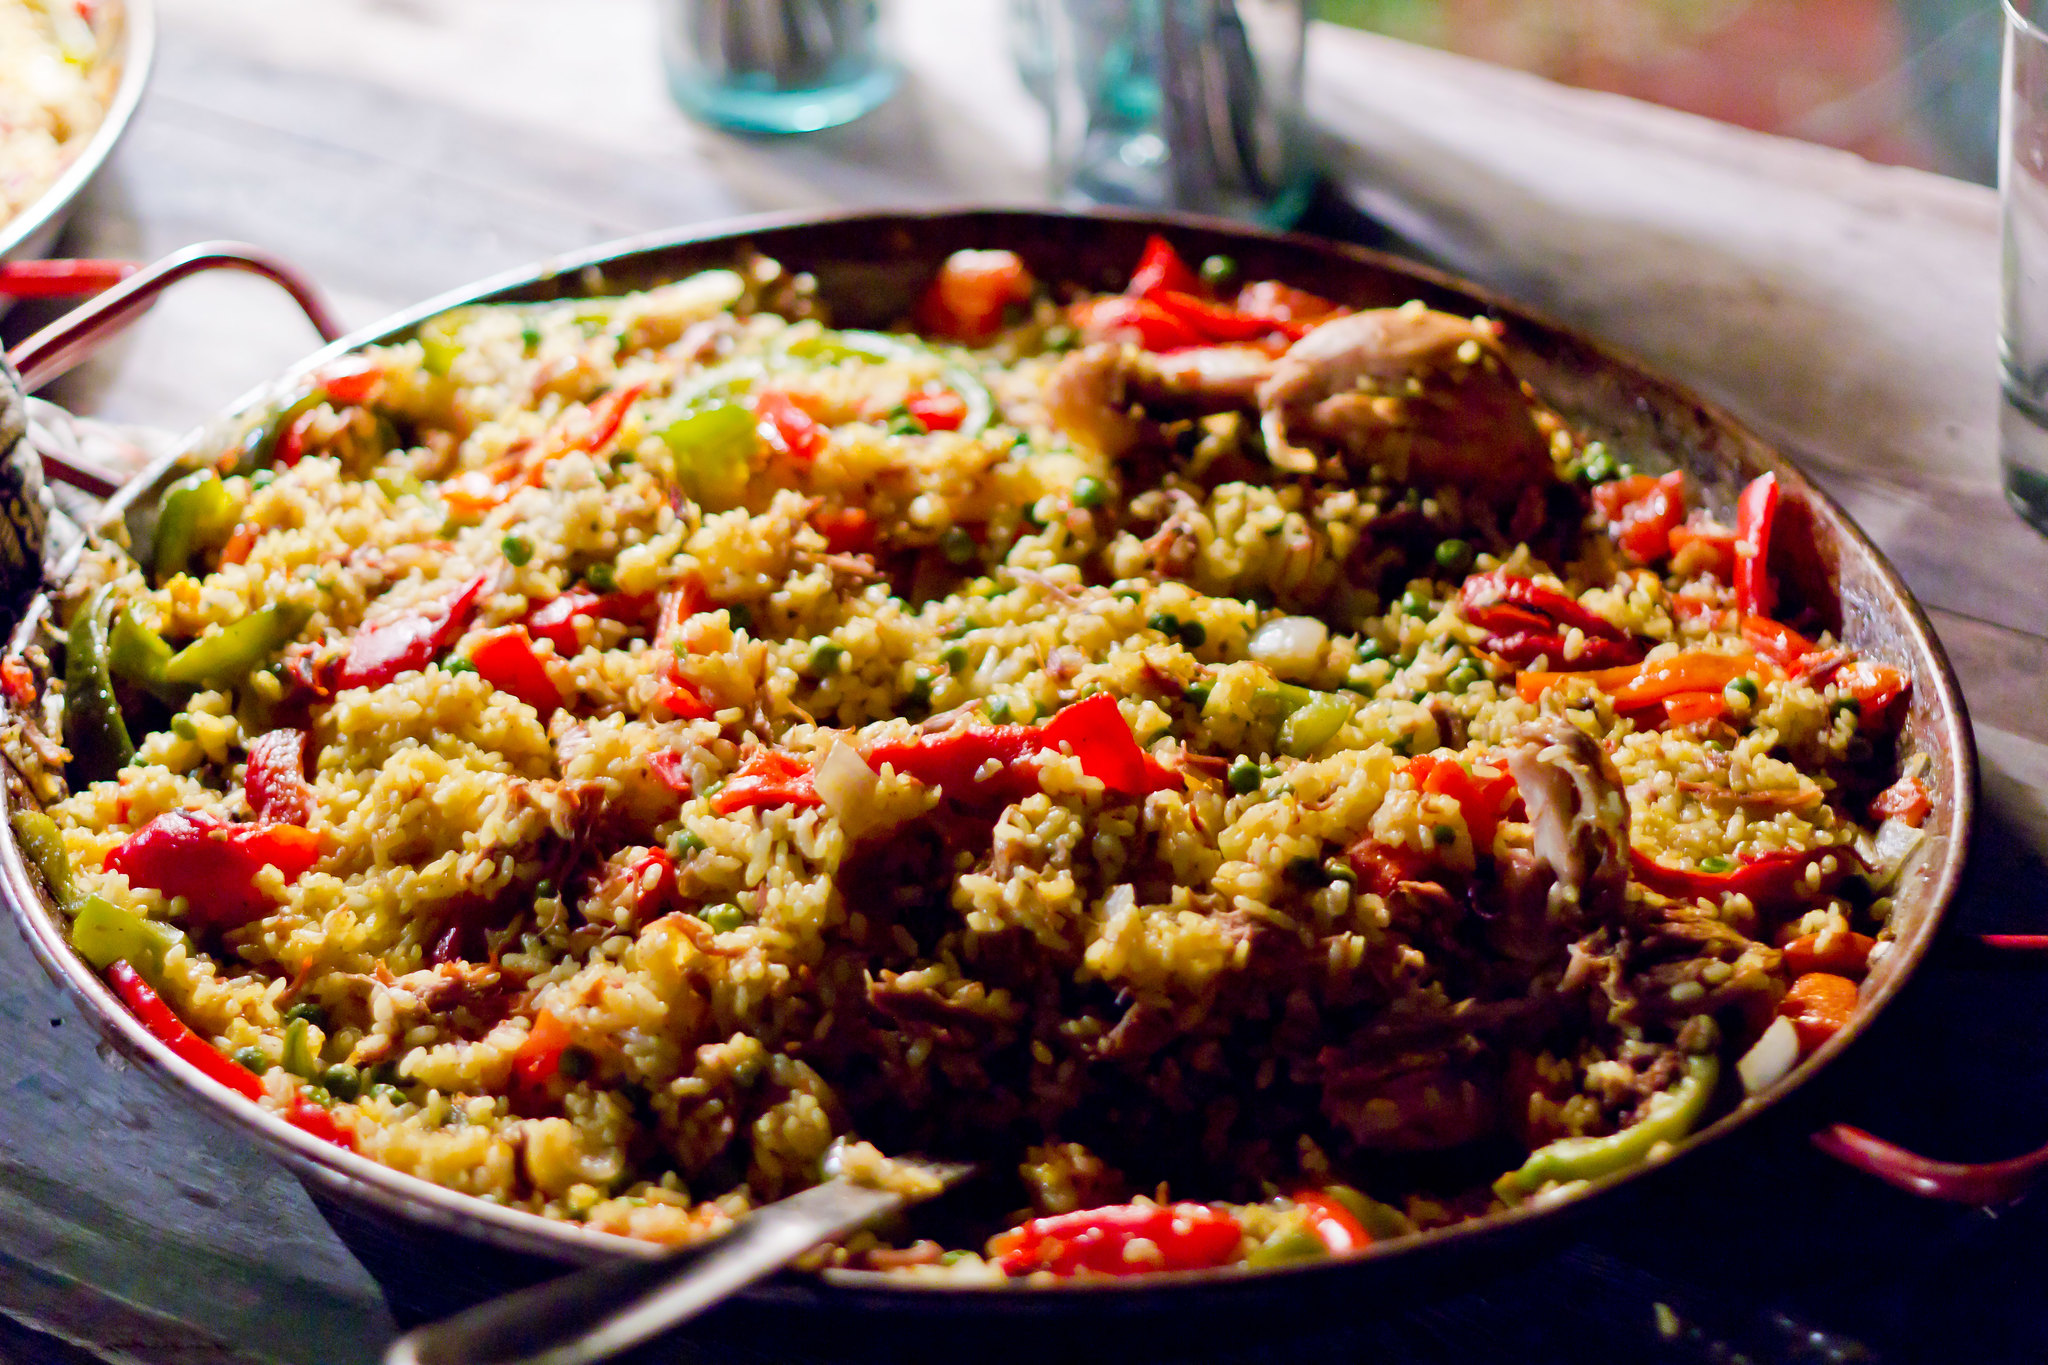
1776	1053
1290	645
847	786
1885	854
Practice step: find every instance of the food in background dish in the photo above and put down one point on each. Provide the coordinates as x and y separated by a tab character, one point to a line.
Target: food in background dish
1242	764
55	83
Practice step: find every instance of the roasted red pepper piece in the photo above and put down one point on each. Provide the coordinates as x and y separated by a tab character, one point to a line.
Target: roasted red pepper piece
212	863
847	530
668	766
538	1058
678	694
769	777
350	381
555	619
1694	708
1094	729
653	878
505	659
18	680
1181	1237
402	644
606	416
937	409
1642	512
1220	323
1495	597
1381	868
311	1118
1777	642
1716	554
167	1028
1906	799
787	427
973	288
1755	512
1141	321
275	780
953	760
1160	267
1284	303
1337	1226
1525	647
1876	688
1482	799
1820	1005
1842	954
1772	881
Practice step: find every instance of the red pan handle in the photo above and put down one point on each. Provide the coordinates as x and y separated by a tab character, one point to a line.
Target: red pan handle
76	335
1963	1182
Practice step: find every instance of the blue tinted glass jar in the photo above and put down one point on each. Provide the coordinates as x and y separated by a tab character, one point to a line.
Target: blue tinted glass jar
774	66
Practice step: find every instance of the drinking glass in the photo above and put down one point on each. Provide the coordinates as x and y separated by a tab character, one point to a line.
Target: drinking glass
774	66
2023	205
1184	104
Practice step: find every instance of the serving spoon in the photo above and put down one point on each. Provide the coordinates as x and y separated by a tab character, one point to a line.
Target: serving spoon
596	1313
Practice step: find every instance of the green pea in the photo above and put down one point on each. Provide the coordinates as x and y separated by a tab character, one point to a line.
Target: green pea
1741	692
825	659
343	1081
1164	622
902	423
529	339
250	1059
1339	870
1090	492
1192	636
1462	677
1454	555
920	694
1198	695
1715	864
544	889
1218	271
576	1063
316	1094
958	546
685	842
1414	603
954	658
1597	465
722	918
1849	705
457	666
183	726
1128	594
517	551
309	1011
387	1092
1306	873
1243	776
1445	836
602	577
1371	650
740	615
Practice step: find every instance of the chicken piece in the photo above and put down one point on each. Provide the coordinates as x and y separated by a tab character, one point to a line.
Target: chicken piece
1111	398
1424	395
1579	814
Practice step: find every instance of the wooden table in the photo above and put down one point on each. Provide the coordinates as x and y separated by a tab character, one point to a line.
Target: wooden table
396	148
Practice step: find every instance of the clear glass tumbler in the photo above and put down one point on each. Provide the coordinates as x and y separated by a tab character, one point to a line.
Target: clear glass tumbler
774	66
2023	315
1181	104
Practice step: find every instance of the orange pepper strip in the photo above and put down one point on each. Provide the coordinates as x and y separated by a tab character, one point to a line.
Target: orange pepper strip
1819	1006
1642	684
1693	708
1844	955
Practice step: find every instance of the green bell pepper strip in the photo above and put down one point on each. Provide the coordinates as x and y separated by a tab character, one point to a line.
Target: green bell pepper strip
259	443
880	348
437	337
714	449
93	728
37	834
981	406
138	654
1672	1114
1383	1221
239	649
105	933
1298	1243
299	1057
1313	724
197	511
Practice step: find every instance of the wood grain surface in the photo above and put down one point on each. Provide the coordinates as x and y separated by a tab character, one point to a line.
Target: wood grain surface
397	148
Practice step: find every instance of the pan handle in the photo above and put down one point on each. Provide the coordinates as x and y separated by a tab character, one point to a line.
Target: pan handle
76	335
1962	1182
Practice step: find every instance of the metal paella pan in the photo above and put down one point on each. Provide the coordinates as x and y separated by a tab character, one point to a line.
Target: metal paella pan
870	271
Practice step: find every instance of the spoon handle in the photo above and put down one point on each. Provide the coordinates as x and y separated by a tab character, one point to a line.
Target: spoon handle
599	1312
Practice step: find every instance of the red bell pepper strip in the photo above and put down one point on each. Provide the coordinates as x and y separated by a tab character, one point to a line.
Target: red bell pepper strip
1482	800
1717	549
1525	647
1772	881
167	1028
555	619
274	782
769	778
538	1058
1095	730
787	427
954	761
311	1118
1381	868
1820	1005
847	530
1779	643
606	416
1526	621
678	694
61	278
1905	800
505	659
1755	512
1642	512
402	644
1181	1237
1844	955
937	409
1161	268
213	863
966	300
350	381
1647	684
18	680
652	876
1337	1226
1279	302
1220	323
1135	320
1876	687
1694	708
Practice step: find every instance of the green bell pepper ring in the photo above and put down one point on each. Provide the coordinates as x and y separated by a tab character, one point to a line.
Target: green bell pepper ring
198	511
852	344
93	728
37	834
104	933
714	451
237	650
1672	1114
